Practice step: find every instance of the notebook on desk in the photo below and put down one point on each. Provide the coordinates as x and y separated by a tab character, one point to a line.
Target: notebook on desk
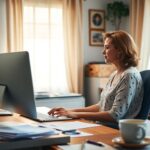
43	116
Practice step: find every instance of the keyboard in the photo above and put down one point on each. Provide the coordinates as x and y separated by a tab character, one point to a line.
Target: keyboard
4	112
43	116
46	117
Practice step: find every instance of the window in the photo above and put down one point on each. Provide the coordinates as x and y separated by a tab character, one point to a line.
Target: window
43	38
145	45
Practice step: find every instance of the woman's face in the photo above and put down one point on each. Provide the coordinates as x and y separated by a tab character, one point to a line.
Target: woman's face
110	52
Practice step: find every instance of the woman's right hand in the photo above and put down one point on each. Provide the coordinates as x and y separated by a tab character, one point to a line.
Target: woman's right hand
55	110
62	112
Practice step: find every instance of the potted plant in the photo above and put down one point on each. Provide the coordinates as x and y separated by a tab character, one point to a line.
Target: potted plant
115	12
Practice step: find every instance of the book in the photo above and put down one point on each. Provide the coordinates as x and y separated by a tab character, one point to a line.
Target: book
15	130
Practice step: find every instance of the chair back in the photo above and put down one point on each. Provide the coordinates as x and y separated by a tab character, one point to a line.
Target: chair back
144	112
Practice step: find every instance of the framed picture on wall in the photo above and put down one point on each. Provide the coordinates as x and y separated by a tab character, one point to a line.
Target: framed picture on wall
97	19
96	38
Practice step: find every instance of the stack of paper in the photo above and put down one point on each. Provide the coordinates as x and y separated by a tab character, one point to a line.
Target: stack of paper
14	130
86	146
69	126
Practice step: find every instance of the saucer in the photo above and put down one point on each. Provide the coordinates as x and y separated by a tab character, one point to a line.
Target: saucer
120	142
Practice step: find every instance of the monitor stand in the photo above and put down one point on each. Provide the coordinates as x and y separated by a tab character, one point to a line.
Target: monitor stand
3	112
2	92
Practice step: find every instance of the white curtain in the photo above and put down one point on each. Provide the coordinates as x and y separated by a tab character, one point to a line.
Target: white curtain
145	45
136	20
43	38
2	26
13	38
72	18
53	34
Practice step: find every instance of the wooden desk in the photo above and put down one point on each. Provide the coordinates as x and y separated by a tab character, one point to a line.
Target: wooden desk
100	133
31	144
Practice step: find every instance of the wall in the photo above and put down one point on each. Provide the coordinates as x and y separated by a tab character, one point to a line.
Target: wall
91	53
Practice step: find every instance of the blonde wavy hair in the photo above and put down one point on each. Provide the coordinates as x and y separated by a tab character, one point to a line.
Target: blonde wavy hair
126	46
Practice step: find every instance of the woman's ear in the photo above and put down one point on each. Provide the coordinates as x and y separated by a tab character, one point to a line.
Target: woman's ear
119	55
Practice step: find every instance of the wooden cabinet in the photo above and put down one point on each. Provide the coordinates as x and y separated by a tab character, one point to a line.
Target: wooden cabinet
96	78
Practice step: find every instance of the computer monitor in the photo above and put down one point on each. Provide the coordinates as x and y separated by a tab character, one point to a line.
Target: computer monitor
16	88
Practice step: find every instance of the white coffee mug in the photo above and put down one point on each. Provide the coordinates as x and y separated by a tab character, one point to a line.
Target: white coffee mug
132	130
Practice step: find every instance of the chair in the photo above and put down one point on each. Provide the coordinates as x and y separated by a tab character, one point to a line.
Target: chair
145	109
144	112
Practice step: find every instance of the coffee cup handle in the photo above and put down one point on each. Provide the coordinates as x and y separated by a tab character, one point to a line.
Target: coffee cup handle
140	137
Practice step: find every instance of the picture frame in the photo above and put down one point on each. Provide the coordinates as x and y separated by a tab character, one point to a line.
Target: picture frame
96	38
97	19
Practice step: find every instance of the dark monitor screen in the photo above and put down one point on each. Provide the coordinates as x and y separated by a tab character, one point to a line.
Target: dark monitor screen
15	76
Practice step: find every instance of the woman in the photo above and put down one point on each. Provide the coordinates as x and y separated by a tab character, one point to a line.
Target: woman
122	97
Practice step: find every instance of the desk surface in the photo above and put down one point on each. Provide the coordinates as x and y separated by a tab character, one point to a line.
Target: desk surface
99	133
30	143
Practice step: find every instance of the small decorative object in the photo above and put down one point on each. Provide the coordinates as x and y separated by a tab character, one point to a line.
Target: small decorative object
115	12
96	38
96	27
96	19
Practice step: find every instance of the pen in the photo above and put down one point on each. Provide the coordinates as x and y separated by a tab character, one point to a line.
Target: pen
71	132
94	143
68	131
